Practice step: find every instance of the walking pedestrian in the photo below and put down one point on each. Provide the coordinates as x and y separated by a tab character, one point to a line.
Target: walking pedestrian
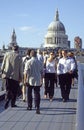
65	68
25	59
75	72
50	76
13	72
33	77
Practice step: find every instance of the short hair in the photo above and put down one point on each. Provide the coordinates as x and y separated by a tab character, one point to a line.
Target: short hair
64	50
70	54
52	52
28	51
15	47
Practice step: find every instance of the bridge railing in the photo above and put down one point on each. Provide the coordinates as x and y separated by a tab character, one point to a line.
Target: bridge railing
80	98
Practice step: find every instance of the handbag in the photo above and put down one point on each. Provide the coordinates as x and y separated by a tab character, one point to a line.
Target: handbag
3	76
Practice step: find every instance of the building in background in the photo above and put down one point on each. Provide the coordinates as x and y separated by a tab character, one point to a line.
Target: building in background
77	43
13	40
55	39
56	34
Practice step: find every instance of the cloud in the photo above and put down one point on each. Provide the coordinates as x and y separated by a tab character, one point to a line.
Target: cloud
25	28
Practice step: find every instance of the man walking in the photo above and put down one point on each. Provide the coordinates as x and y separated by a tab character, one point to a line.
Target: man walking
25	59
33	76
65	68
13	73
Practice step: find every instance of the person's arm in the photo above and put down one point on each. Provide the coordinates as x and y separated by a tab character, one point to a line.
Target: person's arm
3	63
25	77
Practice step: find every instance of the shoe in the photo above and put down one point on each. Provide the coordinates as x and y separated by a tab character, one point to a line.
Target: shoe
45	96
37	111
72	85
24	100
64	100
13	105
29	108
6	105
51	99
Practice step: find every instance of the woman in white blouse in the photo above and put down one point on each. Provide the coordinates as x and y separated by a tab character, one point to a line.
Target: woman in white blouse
50	73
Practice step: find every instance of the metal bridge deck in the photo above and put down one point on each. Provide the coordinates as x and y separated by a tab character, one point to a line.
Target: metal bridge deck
55	115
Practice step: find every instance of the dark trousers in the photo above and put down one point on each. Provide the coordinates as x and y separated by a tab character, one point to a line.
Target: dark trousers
65	81
11	90
36	96
49	84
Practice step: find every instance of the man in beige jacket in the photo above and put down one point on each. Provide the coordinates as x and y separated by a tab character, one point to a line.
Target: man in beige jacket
13	73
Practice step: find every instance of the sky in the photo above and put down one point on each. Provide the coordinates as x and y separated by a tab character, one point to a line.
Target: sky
31	18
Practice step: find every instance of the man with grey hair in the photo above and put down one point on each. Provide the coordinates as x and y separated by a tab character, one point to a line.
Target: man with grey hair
33	77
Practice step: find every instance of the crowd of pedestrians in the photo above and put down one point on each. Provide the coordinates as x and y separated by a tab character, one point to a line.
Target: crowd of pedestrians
36	69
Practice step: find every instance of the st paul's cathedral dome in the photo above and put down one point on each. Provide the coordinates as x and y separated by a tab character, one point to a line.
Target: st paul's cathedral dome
56	34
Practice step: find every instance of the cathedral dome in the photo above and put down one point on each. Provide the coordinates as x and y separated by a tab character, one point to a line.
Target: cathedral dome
56	34
56	25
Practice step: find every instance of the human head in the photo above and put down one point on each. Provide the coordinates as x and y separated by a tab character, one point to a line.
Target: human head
52	54
64	53
28	52
39	51
15	47
60	53
33	53
70	54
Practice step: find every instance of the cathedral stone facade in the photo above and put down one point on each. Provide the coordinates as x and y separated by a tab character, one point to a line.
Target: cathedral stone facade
56	34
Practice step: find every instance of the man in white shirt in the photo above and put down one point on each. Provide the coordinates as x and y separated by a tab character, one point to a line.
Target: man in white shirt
65	69
33	74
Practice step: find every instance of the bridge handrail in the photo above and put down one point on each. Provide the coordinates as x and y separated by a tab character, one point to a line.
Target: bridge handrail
80	98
